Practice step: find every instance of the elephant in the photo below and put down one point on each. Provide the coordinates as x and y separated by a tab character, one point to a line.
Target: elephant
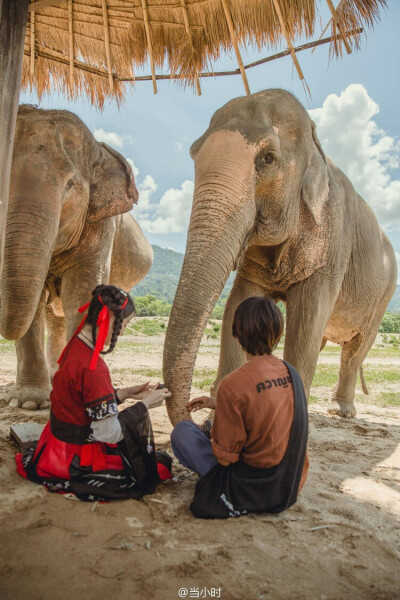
68	229
271	206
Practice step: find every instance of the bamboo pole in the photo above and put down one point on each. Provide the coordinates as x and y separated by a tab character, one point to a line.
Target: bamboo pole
149	44
107	44
190	38
228	17
339	26
288	40
71	43
32	61
43	4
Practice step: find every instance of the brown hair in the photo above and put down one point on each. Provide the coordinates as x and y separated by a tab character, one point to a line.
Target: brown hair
257	325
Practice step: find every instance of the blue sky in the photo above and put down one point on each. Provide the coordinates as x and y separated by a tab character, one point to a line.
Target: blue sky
355	103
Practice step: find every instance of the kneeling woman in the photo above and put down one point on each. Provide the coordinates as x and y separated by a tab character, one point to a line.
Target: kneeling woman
257	460
88	447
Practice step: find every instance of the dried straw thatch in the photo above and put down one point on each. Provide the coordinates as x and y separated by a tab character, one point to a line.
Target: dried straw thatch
93	46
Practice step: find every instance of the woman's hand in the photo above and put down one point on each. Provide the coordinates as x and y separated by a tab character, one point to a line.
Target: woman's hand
201	402
155	397
136	392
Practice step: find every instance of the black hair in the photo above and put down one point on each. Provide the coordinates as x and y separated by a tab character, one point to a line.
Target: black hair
112	297
258	325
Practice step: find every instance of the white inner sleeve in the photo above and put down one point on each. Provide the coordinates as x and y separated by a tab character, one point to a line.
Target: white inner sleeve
107	430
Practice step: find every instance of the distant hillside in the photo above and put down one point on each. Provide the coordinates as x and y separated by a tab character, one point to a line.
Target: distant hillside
163	278
394	304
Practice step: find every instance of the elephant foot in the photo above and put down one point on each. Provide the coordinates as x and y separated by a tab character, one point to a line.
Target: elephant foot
346	409
29	398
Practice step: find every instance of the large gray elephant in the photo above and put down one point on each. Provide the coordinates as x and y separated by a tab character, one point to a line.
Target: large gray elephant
270	204
65	233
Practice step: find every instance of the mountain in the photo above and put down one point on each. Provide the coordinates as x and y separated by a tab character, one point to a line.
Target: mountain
163	278
394	304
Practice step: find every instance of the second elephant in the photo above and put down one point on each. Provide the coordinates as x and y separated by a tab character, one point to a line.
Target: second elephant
66	232
268	203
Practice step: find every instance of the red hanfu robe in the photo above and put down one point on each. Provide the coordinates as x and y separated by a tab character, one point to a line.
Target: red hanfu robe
67	458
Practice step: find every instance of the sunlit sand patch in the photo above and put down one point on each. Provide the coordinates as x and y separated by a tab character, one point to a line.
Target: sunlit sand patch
373	491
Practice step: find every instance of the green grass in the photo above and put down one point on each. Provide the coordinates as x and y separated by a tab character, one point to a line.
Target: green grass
384	399
147	327
327	375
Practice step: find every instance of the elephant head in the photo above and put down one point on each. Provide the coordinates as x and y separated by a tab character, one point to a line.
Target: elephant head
62	179
258	167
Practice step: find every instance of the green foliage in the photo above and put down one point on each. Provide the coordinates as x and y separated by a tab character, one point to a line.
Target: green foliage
213	330
151	306
390	323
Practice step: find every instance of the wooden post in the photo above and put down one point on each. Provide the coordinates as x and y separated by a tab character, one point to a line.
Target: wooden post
190	38
107	43
336	19
13	19
229	21
71	44
149	44
288	40
32	62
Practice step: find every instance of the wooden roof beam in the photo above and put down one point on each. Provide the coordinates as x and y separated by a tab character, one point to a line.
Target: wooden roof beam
149	44
44	4
71	43
32	59
190	38
107	44
288	39
337	21
235	44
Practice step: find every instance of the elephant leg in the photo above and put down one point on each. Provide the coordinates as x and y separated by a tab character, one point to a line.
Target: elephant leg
32	387
308	308
56	339
351	360
231	354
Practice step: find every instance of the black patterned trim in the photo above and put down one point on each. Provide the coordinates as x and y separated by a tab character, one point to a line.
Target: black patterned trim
68	432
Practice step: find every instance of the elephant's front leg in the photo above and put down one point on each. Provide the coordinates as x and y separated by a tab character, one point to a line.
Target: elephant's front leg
56	339
231	354
308	308
32	387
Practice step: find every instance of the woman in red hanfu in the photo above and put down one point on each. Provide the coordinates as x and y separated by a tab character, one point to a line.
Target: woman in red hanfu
89	448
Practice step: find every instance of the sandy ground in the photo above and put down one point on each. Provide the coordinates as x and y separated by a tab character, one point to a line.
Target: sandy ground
340	541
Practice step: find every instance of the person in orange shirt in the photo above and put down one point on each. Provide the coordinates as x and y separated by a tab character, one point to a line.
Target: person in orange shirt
256	460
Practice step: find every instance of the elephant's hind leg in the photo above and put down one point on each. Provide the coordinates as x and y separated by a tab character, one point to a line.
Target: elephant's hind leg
351	360
56	339
32	387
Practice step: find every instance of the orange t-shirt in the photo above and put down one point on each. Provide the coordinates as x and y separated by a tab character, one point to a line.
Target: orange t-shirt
254	414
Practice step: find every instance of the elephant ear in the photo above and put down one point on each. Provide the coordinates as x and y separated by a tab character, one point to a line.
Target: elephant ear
315	183
112	190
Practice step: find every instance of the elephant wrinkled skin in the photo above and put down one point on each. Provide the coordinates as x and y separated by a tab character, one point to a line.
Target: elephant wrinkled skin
66	232
268	203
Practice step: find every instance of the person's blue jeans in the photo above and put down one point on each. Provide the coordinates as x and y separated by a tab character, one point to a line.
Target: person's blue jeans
192	447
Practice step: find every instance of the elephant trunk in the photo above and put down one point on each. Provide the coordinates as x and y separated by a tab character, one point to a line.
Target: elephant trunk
31	230
222	216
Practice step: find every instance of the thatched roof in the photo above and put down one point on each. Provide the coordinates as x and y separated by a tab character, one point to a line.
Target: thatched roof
94	46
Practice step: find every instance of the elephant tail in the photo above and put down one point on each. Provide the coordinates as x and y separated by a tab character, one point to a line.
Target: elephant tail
363	384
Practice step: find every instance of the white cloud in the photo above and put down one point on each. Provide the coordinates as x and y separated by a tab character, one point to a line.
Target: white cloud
178	146
353	140
146	190
172	214
109	137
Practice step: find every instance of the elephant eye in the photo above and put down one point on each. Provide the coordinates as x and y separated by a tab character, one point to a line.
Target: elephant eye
69	184
269	158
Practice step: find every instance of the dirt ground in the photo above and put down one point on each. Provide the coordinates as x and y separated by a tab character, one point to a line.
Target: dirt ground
340	541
